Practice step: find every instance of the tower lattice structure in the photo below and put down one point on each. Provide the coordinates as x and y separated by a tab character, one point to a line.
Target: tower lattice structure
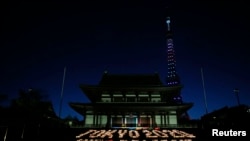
172	77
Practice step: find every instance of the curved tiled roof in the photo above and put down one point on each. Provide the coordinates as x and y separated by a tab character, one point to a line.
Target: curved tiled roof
130	80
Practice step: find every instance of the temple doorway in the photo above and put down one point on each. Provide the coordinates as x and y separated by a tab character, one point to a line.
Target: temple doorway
145	121
116	122
131	121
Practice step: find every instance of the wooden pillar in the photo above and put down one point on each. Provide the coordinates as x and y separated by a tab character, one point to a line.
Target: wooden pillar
136	96
161	120
138	119
123	120
165	124
97	120
150	97
167	117
84	117
108	124
94	120
153	119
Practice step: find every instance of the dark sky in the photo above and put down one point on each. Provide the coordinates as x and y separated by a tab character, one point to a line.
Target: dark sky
39	39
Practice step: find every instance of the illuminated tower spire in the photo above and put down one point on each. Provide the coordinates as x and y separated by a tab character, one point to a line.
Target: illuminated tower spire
172	78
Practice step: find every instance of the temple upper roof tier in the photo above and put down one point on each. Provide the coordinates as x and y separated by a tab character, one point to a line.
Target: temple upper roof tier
130	80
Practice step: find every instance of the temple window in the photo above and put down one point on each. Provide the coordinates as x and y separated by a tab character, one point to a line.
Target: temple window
131	99
106	99
155	99
143	99
118	99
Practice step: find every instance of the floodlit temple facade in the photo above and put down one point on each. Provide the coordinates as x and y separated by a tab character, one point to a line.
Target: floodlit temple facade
135	100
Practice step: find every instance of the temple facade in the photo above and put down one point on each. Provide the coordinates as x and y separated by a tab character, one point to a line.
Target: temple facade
136	100
131	101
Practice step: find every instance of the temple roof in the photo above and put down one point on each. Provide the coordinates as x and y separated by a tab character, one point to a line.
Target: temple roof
129	107
130	80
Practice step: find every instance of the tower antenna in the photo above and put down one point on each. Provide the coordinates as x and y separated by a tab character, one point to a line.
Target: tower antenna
204	90
61	98
172	78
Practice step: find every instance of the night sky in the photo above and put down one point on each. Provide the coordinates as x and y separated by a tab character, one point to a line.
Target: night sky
39	39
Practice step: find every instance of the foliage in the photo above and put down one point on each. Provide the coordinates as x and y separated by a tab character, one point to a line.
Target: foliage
3	98
31	106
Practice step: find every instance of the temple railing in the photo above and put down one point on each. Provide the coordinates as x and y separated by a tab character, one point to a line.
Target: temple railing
160	126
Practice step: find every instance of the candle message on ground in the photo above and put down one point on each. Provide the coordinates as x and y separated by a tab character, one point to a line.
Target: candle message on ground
135	135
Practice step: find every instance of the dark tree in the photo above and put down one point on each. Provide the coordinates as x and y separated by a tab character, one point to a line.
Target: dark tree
3	98
3	109
31	107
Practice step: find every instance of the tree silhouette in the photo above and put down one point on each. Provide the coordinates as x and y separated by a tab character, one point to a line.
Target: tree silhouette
3	98
3	109
31	107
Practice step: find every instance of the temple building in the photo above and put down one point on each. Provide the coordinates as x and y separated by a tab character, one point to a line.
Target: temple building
136	100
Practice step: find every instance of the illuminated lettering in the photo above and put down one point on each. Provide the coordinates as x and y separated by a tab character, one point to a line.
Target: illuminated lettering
95	134
160	134
121	134
134	135
83	134
102	134
108	133
148	134
187	135
179	134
